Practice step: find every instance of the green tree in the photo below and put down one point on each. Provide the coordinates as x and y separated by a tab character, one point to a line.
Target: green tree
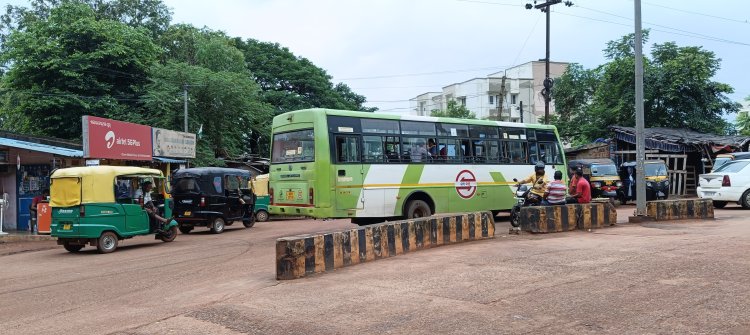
678	92
454	110
289	82
225	104
742	123
70	64
153	15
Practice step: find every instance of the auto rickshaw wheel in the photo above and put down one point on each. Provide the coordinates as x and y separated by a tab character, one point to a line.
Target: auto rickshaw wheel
217	227
73	247
719	204
107	242
248	223
261	216
186	229
169	235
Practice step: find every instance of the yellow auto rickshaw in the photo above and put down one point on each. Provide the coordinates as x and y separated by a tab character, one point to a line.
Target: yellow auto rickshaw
102	205
601	174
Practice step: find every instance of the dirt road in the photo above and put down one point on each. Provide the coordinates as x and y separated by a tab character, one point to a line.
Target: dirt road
653	278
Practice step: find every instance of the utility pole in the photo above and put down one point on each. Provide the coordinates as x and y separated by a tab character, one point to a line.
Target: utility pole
185	100
547	91
640	141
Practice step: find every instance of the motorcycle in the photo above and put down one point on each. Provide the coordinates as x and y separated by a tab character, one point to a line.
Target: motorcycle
524	198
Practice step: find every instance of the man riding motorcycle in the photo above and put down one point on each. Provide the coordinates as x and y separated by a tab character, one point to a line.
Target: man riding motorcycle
539	183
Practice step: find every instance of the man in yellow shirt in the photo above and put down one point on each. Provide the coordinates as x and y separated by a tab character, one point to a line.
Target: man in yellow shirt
538	179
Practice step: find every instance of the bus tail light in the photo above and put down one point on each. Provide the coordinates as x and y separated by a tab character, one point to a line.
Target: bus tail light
203	201
726	182
82	210
270	195
311	196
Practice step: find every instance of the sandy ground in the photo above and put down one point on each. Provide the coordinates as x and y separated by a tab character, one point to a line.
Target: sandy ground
679	277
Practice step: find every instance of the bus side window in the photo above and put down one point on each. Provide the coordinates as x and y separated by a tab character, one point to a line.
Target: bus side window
448	150
516	152
373	149
347	149
533	153
392	149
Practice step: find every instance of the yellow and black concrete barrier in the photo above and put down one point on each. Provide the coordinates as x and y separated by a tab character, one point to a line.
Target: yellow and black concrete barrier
554	219
680	209
302	255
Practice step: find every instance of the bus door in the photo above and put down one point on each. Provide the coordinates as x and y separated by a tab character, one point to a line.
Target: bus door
349	172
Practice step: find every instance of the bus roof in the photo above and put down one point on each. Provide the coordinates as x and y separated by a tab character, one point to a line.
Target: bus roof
383	116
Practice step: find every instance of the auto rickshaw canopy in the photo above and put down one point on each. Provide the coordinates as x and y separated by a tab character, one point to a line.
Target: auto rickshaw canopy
91	184
260	185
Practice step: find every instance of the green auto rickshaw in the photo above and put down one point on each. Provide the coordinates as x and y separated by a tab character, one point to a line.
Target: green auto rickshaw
259	185
102	205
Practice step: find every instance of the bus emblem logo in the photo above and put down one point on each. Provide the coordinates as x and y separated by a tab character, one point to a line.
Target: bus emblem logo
466	184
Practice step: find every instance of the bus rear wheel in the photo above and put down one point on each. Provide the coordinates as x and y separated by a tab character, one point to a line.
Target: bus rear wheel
417	209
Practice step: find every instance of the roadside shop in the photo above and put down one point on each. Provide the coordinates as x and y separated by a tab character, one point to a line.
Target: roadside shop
25	165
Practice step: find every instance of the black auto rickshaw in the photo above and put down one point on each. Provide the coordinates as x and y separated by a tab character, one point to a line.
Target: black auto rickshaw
213	198
657	181
601	174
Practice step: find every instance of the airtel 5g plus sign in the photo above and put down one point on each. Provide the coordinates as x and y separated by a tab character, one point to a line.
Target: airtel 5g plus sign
104	138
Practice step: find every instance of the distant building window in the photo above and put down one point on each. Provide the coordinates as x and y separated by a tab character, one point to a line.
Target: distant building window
513	99
492	99
462	101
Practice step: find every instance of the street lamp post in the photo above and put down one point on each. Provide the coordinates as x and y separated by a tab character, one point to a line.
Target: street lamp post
547	91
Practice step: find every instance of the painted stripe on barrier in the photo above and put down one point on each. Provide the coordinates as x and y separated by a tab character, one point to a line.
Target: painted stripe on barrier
303	255
354	243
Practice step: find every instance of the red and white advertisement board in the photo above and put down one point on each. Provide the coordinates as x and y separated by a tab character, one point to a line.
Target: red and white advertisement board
111	139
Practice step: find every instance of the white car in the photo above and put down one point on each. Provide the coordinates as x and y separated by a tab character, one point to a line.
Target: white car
729	183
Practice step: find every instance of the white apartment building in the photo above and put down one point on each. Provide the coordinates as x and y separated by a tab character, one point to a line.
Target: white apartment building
522	91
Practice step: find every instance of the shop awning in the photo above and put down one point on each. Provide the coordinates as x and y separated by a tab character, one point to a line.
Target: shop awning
169	160
680	140
50	149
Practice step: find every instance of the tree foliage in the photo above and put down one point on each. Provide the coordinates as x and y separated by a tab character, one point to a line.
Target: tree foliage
152	15
678	92
742	123
122	59
454	110
224	104
289	82
72	64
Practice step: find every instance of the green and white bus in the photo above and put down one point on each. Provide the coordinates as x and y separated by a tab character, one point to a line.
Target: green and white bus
367	166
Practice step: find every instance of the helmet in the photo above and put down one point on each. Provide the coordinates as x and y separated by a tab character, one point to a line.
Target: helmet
539	166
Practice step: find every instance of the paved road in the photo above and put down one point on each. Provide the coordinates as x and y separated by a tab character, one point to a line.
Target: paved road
688	277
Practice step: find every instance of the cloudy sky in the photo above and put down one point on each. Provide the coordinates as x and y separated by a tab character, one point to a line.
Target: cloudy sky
393	50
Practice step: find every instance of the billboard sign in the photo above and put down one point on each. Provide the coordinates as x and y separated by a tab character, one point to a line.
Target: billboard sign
169	143
111	139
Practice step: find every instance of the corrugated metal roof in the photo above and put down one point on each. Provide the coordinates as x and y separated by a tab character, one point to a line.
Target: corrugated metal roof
50	149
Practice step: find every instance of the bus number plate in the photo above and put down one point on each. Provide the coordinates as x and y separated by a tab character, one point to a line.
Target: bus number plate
66	227
290	195
187	213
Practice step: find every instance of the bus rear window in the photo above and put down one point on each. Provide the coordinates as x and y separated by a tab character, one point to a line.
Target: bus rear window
294	146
